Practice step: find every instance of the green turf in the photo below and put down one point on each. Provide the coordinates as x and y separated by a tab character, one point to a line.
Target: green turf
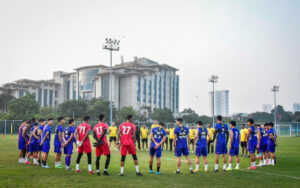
285	174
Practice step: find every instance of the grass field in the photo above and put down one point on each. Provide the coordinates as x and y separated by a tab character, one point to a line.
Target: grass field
285	174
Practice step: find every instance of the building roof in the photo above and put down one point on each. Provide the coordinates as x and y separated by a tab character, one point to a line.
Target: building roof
90	66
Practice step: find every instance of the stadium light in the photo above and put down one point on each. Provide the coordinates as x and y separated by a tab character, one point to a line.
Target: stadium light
275	89
111	45
213	79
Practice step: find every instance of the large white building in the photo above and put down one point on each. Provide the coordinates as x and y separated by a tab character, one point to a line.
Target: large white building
221	102
267	108
138	83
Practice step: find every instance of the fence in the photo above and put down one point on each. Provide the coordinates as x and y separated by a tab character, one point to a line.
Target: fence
282	129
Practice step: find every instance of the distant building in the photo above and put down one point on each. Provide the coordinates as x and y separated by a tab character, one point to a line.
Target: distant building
221	102
138	83
267	108
296	107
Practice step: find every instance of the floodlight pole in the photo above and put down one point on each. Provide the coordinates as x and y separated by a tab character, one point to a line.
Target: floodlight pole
275	89
111	45
213	80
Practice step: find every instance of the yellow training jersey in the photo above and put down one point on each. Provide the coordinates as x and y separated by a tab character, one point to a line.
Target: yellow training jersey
211	132
192	133
144	132
243	133
171	133
154	125
168	132
113	131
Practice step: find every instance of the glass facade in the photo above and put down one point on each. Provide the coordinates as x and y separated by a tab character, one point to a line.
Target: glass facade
138	89
40	96
50	97
144	90
173	88
159	92
74	88
149	91
165	90
45	97
21	93
105	87
68	90
154	89
85	79
177	92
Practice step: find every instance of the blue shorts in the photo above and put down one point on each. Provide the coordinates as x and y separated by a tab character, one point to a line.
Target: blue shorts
221	148
263	148
39	147
32	147
68	150
201	151
251	148
22	145
271	148
180	151
57	148
233	151
155	151
46	147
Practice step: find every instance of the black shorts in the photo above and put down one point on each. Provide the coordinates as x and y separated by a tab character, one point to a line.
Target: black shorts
192	141
244	144
112	138
145	140
166	141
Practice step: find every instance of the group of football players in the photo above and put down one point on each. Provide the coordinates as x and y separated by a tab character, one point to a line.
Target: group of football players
34	142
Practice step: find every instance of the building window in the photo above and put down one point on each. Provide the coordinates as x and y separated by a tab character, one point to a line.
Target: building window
56	94
45	97
154	89
68	90
105	87
74	88
138	90
144	89
40	96
149	91
21	93
51	97
55	103
177	92
173	88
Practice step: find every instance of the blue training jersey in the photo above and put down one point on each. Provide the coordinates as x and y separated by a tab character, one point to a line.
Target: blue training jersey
253	136
202	137
47	129
221	130
21	132
182	134
271	131
263	139
58	129
236	138
68	132
158	135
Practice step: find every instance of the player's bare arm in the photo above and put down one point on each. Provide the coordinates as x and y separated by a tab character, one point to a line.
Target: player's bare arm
24	133
196	137
231	139
36	136
44	138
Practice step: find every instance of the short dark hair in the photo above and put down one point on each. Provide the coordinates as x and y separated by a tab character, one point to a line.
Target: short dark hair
71	121
199	123
49	119
33	120
219	117
60	118
41	120
129	117
101	116
36	124
86	118
251	121
179	120
28	122
161	123
233	123
266	124
258	125
271	124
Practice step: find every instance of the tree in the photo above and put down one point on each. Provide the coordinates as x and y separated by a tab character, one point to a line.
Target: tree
47	112
99	106
190	116
205	119
73	108
296	117
125	111
23	108
282	115
163	115
261	117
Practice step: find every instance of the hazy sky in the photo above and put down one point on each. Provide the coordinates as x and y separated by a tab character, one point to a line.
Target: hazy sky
251	45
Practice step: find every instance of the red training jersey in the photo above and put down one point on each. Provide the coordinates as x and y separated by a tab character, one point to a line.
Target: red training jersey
126	131
82	129
99	130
